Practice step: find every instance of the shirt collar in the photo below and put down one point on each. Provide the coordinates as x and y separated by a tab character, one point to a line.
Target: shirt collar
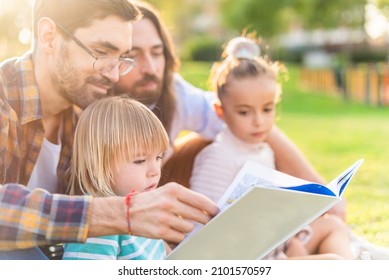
30	102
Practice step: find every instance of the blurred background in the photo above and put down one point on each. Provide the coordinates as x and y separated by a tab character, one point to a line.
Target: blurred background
342	45
335	103
310	31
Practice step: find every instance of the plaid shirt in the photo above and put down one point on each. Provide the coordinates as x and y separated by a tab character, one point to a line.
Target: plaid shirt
21	127
31	218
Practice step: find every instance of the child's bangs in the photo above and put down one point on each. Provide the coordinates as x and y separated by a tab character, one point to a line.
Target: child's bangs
140	134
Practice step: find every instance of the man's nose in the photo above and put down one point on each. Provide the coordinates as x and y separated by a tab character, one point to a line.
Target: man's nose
113	75
148	65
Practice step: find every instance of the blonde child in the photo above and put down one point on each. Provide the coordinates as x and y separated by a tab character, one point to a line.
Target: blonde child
248	91
118	150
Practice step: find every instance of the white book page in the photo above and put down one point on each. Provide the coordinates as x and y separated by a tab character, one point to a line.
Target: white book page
255	174
252	174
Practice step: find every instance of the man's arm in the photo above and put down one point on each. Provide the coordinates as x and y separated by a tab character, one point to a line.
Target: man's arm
164	213
31	218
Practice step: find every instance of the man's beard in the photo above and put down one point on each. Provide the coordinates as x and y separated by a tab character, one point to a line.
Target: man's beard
66	80
147	97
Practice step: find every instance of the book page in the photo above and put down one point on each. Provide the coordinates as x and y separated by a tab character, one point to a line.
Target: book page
339	184
252	174
255	174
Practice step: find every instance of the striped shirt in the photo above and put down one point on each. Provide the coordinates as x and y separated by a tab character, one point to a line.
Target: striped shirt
116	247
21	127
35	218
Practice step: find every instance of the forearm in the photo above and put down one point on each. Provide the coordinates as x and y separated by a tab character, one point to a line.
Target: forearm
108	216
152	214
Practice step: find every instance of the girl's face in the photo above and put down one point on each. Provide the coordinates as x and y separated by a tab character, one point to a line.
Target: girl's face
140	174
248	108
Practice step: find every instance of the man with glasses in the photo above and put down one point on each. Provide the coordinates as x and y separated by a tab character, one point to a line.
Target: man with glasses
80	49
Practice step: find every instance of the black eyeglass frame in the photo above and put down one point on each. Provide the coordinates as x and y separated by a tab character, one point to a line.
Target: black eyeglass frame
131	62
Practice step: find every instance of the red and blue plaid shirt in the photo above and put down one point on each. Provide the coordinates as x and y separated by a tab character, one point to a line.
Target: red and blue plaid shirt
21	127
34	218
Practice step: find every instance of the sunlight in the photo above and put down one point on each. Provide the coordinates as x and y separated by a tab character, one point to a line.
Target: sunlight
25	36
376	24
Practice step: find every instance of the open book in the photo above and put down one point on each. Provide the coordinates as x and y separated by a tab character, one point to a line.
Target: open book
260	210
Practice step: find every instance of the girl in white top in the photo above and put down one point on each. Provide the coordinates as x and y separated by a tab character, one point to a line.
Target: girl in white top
248	91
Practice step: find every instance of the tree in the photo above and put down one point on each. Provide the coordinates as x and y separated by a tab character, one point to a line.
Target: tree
269	18
383	5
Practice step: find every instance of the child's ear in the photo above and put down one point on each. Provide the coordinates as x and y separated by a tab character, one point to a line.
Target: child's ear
218	109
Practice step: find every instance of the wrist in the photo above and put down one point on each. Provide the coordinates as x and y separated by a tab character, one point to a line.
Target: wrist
107	216
127	201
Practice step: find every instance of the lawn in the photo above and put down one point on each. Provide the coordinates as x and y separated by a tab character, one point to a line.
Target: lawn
333	134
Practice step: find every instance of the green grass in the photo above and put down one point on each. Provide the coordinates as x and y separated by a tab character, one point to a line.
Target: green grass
333	133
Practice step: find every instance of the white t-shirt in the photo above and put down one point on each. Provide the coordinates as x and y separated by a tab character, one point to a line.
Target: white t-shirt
44	174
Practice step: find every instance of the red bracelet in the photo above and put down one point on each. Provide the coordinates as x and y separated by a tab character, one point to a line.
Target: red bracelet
128	203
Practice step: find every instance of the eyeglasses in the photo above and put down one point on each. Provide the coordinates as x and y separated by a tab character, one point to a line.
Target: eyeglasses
104	64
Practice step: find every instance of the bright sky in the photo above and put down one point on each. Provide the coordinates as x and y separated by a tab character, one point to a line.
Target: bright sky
376	23
6	5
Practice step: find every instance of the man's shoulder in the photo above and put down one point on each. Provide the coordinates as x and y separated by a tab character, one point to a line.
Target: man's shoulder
8	75
183	88
17	84
8	67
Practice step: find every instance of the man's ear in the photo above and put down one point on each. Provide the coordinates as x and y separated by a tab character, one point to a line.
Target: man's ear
47	32
218	109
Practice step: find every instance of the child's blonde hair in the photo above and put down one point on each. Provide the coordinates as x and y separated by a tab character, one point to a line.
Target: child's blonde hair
242	60
110	131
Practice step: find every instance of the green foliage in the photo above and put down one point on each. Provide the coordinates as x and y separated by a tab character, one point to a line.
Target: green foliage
261	15
273	17
383	5
201	48
283	55
331	14
368	55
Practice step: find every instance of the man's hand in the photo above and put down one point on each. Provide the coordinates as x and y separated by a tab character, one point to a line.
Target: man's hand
168	212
